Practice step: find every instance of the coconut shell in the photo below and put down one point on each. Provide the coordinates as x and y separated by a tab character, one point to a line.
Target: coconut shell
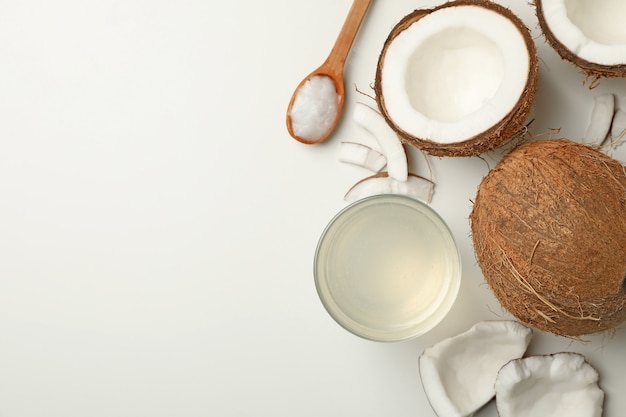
592	69
549	231
488	140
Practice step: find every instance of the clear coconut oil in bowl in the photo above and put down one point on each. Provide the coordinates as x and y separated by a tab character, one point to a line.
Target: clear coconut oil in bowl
387	268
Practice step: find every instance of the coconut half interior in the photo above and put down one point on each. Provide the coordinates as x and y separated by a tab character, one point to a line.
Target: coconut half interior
591	29
454	73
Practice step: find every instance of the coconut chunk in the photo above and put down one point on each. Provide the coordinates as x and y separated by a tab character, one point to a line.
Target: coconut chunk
382	183
618	128
372	121
601	117
562	384
362	155
458	374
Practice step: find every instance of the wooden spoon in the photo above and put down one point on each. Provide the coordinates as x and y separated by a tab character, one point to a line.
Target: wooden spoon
333	67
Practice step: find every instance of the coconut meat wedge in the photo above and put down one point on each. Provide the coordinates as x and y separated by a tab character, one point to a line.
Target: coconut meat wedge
459	79
415	186
589	33
559	385
458	374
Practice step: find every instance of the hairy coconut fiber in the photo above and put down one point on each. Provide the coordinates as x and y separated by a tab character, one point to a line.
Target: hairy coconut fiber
549	232
592	69
510	125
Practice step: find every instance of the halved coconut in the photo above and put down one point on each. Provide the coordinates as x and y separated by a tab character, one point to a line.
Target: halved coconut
558	385
458	373
458	79
588	33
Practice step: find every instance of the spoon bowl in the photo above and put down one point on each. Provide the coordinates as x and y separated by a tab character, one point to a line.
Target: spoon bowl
319	111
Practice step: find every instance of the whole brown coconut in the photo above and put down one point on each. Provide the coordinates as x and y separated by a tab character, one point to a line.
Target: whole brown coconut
510	125
592	69
549	232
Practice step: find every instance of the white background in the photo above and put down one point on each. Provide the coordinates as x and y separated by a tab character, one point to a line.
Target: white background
158	224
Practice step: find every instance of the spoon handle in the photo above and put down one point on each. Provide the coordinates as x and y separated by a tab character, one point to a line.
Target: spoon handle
337	57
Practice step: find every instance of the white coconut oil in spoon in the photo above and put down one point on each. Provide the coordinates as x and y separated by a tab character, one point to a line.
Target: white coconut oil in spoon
320	104
315	108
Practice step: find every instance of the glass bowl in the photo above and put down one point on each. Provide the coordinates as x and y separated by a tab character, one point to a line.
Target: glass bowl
387	268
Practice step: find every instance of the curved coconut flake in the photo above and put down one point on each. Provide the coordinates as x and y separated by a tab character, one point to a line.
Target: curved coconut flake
558	385
590	29
618	127
601	117
372	121
362	155
458	374
415	186
454	73
618	124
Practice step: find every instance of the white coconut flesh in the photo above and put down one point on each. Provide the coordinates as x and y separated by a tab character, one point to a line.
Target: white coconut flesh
599	125
362	155
458	374
454	73
591	29
372	121
414	186
559	385
618	124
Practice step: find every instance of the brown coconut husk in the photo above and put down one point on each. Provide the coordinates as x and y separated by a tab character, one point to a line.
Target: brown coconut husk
592	70
549	232
488	140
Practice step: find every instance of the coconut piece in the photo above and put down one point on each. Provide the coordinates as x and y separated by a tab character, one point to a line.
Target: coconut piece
587	33
601	117
362	155
370	120
549	232
618	126
458	373
558	385
415	186
458	79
